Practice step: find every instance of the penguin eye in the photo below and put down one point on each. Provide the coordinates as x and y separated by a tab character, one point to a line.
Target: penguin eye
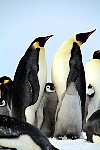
2	103
47	88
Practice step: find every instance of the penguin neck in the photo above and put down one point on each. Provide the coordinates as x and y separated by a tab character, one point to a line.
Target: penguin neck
66	47
42	54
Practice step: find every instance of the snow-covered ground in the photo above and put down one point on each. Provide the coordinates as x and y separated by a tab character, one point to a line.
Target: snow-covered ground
79	144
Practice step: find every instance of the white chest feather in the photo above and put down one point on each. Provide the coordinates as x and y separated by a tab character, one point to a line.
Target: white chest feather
92	73
42	77
42	74
24	142
60	68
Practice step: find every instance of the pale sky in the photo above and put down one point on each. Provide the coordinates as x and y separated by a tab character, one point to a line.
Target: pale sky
21	21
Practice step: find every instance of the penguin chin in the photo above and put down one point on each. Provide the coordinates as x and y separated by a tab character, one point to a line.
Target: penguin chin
96	139
49	91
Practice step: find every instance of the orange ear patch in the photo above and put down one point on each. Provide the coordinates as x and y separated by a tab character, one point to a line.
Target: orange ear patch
36	45
6	81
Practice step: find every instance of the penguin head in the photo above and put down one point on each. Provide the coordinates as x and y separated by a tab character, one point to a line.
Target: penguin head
90	91
96	54
5	90
40	41
49	87
4	80
82	37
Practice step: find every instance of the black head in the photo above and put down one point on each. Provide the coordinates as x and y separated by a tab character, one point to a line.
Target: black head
49	87
4	80
96	54
82	37
40	41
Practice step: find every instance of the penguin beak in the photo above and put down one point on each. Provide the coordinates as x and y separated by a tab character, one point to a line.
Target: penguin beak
47	37
89	33
82	37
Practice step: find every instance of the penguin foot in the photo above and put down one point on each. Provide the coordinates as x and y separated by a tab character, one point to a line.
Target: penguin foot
73	137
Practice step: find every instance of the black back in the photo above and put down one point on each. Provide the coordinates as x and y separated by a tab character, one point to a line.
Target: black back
77	74
26	84
12	128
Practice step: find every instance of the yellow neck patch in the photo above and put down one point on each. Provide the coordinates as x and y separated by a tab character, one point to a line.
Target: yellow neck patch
79	43
36	45
6	81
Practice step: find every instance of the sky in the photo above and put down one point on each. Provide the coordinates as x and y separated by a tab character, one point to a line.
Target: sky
21	21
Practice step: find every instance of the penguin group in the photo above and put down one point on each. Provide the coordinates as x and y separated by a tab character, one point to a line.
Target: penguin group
39	109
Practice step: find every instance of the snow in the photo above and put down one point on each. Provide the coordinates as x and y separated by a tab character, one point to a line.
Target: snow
79	144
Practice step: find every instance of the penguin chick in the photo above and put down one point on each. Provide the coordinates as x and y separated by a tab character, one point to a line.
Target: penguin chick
29	81
92	127
67	67
46	110
92	72
20	135
90	91
89	95
69	120
5	95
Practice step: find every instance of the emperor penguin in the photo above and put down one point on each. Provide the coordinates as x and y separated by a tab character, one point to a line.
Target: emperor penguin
68	77
92	73
47	109
21	135
29	81
92	127
5	95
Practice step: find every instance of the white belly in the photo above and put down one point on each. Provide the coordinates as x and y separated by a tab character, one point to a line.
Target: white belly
60	71
69	119
42	76
92	73
24	142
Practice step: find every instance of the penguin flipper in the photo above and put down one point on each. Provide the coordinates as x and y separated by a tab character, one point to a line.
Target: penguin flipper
33	79
77	75
13	128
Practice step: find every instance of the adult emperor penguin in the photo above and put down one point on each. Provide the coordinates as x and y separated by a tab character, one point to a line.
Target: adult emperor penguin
92	73
5	95
29	81
47	109
92	127
21	135
69	80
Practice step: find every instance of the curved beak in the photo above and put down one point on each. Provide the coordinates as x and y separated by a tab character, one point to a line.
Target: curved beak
47	37
89	33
